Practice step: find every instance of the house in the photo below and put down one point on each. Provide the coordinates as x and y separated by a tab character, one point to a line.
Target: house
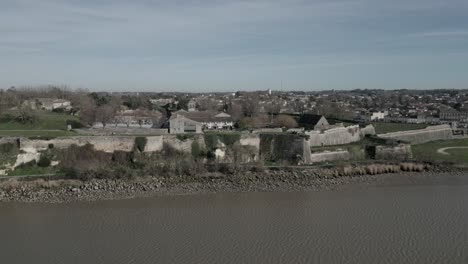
209	120
133	119
179	124
48	104
315	122
162	101
451	114
378	115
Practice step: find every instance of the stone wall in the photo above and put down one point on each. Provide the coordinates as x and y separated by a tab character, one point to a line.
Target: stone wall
154	143
291	148
250	140
330	156
5	140
432	133
400	152
339	135
109	131
100	143
267	130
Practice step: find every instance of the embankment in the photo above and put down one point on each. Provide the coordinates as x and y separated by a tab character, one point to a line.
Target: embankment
273	179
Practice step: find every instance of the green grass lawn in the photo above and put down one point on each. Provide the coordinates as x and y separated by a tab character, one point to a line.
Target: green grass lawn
381	128
34	170
428	151
48	124
45	121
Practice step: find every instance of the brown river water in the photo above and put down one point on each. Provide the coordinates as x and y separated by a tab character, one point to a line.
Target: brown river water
400	221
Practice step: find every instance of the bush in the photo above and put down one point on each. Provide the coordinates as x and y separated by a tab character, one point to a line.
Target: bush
58	110
70	172
29	164
83	157
211	141
7	117
7	147
140	143
75	124
183	137
197	150
229	138
44	161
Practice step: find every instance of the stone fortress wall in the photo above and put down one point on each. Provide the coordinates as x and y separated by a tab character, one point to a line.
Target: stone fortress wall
339	135
432	133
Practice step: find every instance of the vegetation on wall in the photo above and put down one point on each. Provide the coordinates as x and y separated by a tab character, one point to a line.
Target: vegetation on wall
275	147
228	139
140	143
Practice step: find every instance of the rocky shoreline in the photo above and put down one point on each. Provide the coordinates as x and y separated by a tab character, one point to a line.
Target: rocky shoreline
58	191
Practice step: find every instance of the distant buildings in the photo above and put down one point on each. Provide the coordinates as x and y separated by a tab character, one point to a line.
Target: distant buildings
208	119
48	104
179	124
451	114
378	115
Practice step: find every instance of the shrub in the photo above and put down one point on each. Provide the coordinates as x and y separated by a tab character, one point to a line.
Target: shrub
183	137
229	138
50	146
122	157
58	110
42	138
211	141
140	143
70	172
7	117
83	157
75	124
29	164
44	161
197	150
7	147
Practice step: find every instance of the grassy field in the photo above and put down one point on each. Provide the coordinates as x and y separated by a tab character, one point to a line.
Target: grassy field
33	171
381	128
428	151
48	124
45	121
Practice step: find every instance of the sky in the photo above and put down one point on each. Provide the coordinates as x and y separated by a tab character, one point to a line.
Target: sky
223	45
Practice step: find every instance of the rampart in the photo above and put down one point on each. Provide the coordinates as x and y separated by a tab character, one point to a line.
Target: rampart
432	133
330	156
339	135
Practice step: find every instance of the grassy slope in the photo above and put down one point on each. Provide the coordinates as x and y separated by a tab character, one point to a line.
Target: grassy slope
381	128
428	151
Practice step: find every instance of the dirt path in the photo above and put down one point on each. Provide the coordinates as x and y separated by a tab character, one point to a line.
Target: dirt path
443	151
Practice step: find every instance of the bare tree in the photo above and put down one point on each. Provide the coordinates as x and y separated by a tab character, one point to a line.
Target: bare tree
104	114
87	108
207	104
285	121
298	106
235	110
250	106
25	115
273	108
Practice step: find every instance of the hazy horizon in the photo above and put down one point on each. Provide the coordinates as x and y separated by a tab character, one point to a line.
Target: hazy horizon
203	46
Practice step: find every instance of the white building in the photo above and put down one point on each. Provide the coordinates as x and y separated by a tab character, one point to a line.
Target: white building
379	115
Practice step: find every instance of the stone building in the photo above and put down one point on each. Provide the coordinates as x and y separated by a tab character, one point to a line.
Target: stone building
179	124
209	119
315	122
